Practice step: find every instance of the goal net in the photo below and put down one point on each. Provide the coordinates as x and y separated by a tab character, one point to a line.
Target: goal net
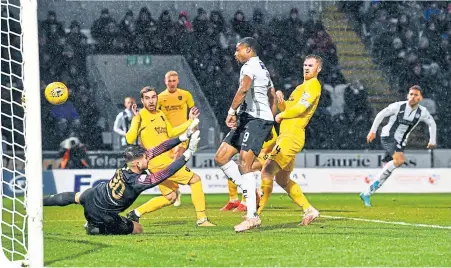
21	167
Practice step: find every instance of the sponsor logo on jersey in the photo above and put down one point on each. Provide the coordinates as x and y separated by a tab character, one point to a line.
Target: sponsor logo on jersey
161	130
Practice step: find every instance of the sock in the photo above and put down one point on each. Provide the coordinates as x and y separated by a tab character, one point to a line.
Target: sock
233	191
198	199
137	213
295	193
62	199
249	187
152	205
231	170
381	178
266	187
243	200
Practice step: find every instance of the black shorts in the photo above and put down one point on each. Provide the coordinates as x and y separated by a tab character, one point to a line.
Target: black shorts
390	146
250	133
101	222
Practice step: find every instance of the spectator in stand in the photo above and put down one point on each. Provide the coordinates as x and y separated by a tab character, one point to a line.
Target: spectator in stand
144	22
66	118
52	27
127	26
337	96
294	21
104	30
356	99
240	25
183	24
124	120
155	44
200	23
228	40
90	131
217	21
73	154
75	37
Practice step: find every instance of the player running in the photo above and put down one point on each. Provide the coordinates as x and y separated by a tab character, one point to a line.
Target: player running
103	203
174	103
255	101
234	203
295	115
404	117
152	127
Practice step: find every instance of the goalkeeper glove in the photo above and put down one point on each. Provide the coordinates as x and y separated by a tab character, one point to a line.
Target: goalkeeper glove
187	135
192	147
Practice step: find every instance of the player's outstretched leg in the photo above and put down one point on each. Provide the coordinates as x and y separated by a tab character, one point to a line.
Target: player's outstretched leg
378	181
233	197
151	205
198	199
296	194
61	199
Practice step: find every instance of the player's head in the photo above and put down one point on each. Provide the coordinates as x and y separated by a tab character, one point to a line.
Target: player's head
415	95
171	79
149	98
128	102
246	48
312	66
135	156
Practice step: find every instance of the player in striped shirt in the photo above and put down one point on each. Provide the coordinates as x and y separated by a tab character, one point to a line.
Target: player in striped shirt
404	117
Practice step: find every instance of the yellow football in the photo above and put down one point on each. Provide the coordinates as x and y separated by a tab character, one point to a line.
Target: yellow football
56	93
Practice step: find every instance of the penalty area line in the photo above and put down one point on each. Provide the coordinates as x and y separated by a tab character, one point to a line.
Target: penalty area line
388	222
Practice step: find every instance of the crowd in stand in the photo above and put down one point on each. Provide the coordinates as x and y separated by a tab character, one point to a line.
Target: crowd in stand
208	43
410	41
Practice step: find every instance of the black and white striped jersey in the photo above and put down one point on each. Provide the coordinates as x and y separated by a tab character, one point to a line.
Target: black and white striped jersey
403	119
256	102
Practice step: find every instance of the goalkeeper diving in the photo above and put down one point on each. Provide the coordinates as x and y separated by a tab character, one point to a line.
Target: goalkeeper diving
103	203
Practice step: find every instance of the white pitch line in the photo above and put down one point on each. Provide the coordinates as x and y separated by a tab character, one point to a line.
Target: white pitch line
288	215
389	222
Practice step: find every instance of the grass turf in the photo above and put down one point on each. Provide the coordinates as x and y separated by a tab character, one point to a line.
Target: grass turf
171	238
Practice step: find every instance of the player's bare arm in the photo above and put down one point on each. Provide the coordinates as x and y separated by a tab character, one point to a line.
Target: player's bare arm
272	100
238	100
280	100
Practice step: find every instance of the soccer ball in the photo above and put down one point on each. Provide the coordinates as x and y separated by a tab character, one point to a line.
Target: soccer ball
56	93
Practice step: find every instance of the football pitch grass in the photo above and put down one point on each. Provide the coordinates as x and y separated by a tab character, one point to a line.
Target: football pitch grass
348	234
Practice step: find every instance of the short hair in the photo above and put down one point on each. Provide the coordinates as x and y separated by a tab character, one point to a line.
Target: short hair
171	73
129	97
147	89
316	57
251	43
133	152
416	87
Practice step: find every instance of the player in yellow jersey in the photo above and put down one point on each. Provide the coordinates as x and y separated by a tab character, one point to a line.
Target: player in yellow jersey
174	103
295	115
234	203
153	128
